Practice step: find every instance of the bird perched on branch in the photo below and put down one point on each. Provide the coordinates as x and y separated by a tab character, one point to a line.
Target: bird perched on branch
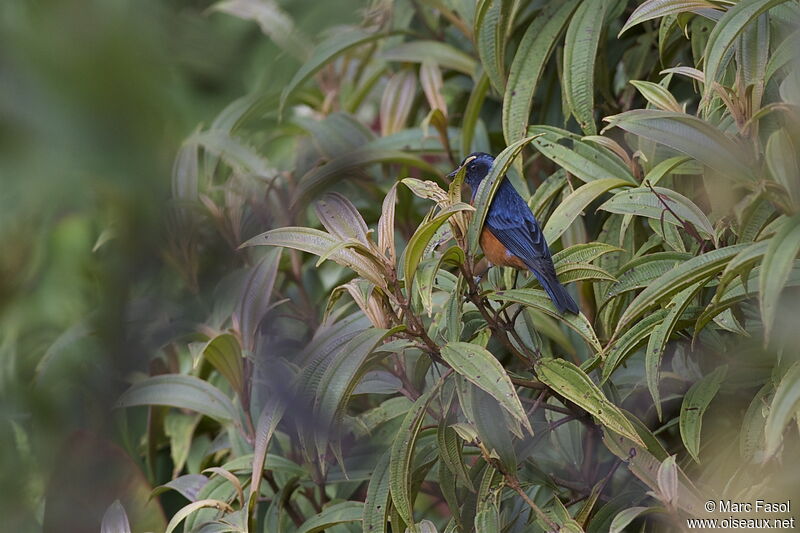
511	236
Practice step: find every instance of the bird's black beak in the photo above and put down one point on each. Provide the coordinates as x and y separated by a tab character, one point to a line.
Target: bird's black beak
453	173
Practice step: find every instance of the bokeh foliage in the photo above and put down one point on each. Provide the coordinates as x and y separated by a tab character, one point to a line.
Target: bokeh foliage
322	354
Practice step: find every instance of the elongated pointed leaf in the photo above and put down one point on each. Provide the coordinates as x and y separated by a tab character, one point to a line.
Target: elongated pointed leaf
268	420
255	297
341	218
184	392
419	241
627	516
694	406
644	202
115	520
490	29
338	513
683	275
274	22
585	160
402	453
580	51
571	382
225	354
538	299
194	507
376	504
784	406
339	381
658	95
530	59
653	9
725	32
689	135
481	368
445	55
320	243
626	344
775	269
660	336
574	204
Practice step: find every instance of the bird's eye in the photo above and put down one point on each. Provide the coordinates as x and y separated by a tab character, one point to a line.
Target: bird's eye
473	166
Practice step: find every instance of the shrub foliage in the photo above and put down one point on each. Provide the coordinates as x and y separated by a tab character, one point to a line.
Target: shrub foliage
355	373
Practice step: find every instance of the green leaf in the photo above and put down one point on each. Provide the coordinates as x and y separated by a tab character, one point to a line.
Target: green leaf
724	35
488	188
658	95
490	29
538	299
488	520
255	296
571	382
629	341
653	9
587	161
225	354
191	508
572	206
642	270
571	272
341	218
418	242
115	520
694	406
751	437
273	21
664	168
376	504
402	452
644	202
398	96
783	163
338	513
580	51
320	243
689	135
323	53
450	453
473	112
775	269
529	63
481	368
783	408
183	392
237	154
627	516
443	54
337	384
701	267
660	336
268	420
583	253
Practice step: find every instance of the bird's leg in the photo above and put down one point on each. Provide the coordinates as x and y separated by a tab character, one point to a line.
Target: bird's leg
481	271
516	276
482	267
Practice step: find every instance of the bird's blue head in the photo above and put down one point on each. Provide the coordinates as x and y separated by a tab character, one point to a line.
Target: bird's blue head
478	165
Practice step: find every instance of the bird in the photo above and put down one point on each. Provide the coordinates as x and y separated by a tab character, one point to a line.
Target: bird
511	236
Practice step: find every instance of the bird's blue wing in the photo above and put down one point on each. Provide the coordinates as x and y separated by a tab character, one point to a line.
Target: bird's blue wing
512	222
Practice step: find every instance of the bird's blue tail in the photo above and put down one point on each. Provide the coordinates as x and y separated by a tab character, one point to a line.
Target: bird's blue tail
558	293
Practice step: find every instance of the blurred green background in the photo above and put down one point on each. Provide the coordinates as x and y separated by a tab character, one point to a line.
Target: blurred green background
95	99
